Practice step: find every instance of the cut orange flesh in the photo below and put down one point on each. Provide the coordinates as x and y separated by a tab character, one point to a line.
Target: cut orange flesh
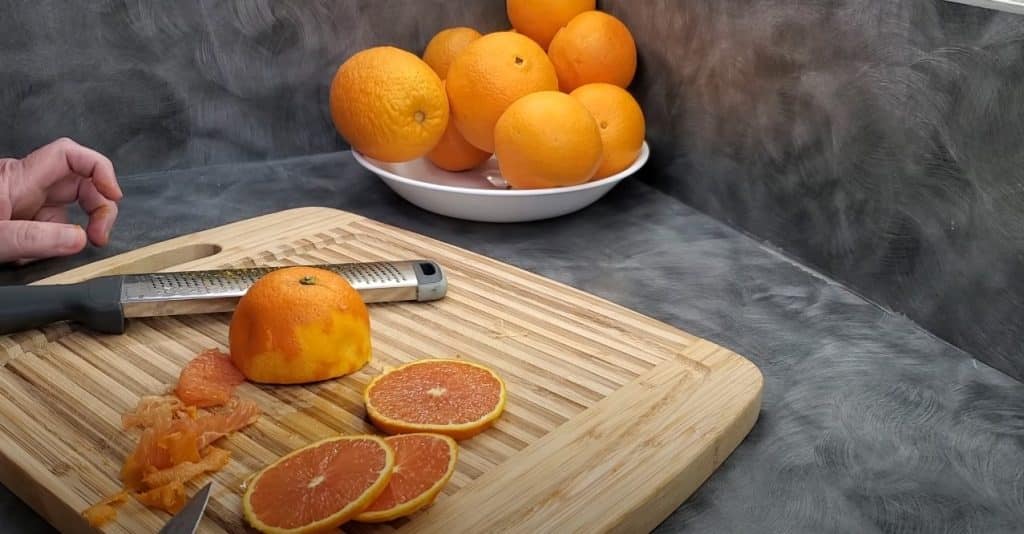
153	409
213	459
170	498
443	396
169	443
174	445
238	414
208	380
104	511
423	465
320	486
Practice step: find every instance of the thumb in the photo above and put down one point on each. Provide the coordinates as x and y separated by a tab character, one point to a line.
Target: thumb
34	239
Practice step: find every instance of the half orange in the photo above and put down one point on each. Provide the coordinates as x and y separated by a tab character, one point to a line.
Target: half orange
424	463
445	396
320	486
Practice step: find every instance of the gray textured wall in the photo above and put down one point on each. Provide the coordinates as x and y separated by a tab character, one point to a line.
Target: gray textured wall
878	141
881	142
160	85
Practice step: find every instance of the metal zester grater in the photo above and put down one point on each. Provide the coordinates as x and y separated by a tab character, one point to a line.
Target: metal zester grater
102	304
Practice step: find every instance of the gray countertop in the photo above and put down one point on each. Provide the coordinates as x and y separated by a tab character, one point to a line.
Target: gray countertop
869	423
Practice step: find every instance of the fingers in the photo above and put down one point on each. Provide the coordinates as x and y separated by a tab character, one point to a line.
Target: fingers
102	212
64	191
35	239
48	179
55	161
57	214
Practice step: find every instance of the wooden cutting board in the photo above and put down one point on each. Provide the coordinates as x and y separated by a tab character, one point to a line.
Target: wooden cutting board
613	418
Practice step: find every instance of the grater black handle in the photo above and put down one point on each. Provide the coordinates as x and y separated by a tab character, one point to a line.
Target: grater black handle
95	303
431	283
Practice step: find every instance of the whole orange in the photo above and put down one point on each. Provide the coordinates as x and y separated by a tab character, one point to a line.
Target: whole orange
299	324
388	104
491	73
445	45
453	153
547	139
541	19
593	47
620	121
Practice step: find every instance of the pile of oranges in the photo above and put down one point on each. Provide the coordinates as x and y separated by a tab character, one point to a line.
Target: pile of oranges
548	98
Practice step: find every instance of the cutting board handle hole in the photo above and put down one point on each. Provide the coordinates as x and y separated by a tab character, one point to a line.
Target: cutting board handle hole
166	259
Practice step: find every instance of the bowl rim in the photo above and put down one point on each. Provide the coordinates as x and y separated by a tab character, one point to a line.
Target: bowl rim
640	160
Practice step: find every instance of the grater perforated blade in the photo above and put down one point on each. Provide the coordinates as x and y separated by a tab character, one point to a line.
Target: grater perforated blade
103	303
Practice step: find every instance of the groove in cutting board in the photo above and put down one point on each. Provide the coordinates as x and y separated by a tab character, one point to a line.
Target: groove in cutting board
598	394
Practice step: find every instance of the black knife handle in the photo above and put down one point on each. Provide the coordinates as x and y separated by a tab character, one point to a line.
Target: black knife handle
95	303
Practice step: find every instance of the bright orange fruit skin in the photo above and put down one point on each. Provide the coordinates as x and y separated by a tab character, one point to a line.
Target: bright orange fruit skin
620	121
453	153
593	47
547	139
541	19
298	325
488	76
388	104
445	45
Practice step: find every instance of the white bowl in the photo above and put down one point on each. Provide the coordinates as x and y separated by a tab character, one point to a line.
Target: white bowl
479	195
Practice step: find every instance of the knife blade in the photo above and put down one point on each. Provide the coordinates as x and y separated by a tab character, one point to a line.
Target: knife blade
103	304
187	519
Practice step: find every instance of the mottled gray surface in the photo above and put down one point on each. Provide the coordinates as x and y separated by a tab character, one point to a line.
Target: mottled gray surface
876	140
879	141
159	85
869	423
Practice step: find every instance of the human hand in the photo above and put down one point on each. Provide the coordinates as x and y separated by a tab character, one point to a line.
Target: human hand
35	192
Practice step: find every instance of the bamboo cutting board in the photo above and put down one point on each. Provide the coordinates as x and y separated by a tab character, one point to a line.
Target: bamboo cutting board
613	418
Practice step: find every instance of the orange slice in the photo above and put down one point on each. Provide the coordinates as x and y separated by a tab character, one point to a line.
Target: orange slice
208	379
319	486
423	465
451	397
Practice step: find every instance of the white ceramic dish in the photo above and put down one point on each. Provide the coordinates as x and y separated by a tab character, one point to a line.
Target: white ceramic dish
472	195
